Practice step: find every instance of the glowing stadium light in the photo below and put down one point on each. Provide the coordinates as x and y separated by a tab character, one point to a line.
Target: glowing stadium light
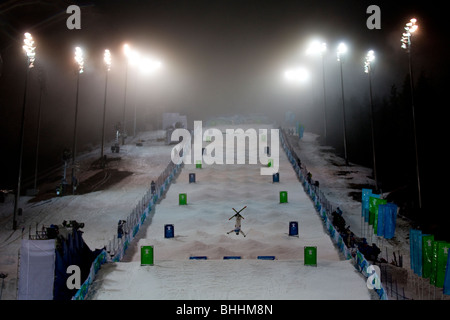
29	48
149	65
132	55
126	49
342	48
107	59
410	28
79	59
370	56
316	47
367	62
298	75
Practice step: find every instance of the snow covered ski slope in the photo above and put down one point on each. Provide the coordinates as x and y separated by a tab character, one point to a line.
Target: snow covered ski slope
200	229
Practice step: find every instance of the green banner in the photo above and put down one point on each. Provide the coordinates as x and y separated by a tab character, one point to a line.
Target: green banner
427	254
434	255
442	255
372	207
373	211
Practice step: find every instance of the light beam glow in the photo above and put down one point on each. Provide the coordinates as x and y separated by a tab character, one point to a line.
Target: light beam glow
342	48
29	49
79	59
132	55
107	59
367	62
410	28
297	75
316	47
149	65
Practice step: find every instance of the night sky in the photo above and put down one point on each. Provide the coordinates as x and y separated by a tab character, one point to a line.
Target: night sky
219	58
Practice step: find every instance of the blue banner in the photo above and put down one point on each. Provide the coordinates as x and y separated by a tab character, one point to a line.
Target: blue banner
366	193
415	240
412	235
387	217
419	252
447	277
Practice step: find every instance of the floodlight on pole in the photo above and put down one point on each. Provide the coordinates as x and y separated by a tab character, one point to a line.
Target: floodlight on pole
316	47
79	59
370	57
30	50
133	56
126	49
107	59
341	50
368	60
410	28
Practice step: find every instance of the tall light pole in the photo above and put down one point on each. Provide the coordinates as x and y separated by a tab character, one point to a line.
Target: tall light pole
368	69
80	68
342	49
317	47
41	89
107	60
29	48
410	28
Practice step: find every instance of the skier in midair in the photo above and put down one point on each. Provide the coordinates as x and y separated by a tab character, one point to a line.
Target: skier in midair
237	225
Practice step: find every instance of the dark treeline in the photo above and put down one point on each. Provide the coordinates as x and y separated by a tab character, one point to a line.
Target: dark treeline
395	147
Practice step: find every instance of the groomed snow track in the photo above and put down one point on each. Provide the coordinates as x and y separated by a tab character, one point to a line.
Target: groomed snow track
200	230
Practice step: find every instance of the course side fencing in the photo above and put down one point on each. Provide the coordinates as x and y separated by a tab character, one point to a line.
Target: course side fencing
324	208
115	249
117	246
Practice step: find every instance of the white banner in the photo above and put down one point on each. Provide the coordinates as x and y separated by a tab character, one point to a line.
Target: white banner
37	270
